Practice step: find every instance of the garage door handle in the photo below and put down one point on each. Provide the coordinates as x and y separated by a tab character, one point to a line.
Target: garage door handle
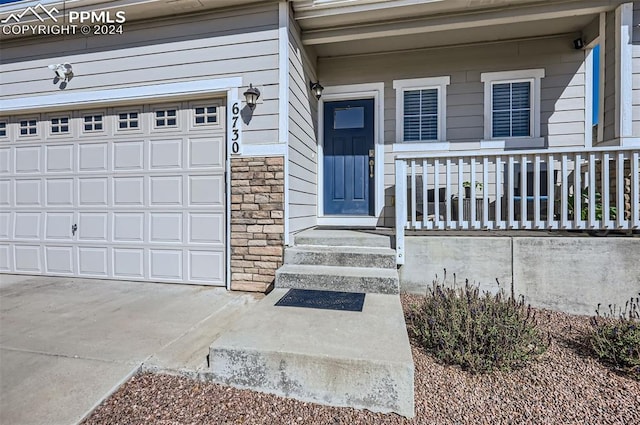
74	229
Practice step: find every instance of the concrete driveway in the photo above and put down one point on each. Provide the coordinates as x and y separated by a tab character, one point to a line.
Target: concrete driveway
66	344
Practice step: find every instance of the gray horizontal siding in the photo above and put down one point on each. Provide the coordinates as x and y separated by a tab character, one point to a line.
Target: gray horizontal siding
302	135
241	42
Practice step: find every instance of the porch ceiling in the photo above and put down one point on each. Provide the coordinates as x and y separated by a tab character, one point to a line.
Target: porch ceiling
338	28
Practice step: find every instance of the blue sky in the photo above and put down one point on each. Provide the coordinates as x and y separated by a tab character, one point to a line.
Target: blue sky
8	1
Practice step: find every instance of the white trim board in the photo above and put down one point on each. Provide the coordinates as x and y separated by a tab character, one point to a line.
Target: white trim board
110	96
624	70
283	111
373	91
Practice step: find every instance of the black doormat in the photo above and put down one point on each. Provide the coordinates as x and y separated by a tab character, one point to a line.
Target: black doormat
326	300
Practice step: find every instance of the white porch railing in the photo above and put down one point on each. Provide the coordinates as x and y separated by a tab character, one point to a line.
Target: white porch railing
595	188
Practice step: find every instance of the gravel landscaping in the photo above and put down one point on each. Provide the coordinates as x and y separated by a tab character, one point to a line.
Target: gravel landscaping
564	386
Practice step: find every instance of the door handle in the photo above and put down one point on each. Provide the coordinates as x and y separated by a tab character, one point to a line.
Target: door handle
74	229
371	164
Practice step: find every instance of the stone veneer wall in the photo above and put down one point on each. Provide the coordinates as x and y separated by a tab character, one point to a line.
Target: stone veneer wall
257	221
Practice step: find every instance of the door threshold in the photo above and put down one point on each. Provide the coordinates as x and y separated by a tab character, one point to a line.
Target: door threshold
350	221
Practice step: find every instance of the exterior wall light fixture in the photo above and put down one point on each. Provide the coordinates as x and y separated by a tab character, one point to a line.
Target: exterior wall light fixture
316	88
251	96
63	71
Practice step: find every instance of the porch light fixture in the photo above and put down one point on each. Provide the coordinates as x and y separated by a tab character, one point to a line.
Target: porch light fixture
63	71
578	44
316	88
251	96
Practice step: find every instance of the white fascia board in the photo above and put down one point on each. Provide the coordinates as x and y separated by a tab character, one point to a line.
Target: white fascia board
109	96
459	21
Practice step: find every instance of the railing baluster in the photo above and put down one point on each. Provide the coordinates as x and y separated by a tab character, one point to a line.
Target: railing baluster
425	199
635	190
536	192
460	193
498	204
592	191
620	190
510	193
524	192
448	192
401	208
577	192
564	201
605	191
436	193
413	194
472	200
485	193
551	193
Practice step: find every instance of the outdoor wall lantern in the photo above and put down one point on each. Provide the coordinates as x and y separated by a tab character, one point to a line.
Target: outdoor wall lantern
578	44
251	96
63	71
316	88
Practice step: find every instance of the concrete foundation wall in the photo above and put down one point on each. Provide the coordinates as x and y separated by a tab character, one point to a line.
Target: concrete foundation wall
570	274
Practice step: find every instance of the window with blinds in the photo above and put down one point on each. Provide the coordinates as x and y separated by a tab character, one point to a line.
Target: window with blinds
511	110
420	115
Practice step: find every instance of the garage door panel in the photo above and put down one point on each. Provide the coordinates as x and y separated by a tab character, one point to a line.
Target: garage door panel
92	261
5	225
59	158
58	259
5	258
28	160
206	153
128	191
165	264
92	226
165	154
27	226
5	160
92	157
128	227
128	156
27	258
206	228
58	226
206	266
206	190
93	191
128	262
59	192
165	227
166	190
5	192
27	193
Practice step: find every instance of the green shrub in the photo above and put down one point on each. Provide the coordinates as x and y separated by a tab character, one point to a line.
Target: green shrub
615	337
479	332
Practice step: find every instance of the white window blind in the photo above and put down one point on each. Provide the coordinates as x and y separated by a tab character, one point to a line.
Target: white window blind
511	111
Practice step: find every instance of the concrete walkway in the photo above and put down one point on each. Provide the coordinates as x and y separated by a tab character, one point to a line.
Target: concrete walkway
66	344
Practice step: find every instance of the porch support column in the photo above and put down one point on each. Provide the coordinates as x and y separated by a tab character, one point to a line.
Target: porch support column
623	75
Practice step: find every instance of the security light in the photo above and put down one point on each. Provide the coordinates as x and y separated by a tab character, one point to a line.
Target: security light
63	71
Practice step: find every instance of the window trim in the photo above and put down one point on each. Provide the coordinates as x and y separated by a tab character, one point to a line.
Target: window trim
38	126
532	76
116	119
6	129
438	83
49	124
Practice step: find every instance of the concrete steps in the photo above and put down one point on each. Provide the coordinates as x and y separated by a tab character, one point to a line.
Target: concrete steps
341	256
339	358
332	278
357	359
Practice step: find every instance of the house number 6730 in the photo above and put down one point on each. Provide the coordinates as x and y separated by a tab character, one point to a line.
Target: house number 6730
235	128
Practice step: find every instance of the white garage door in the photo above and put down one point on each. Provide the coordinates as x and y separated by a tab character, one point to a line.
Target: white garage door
133	193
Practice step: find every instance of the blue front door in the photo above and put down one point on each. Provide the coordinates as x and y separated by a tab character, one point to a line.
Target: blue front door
348	157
